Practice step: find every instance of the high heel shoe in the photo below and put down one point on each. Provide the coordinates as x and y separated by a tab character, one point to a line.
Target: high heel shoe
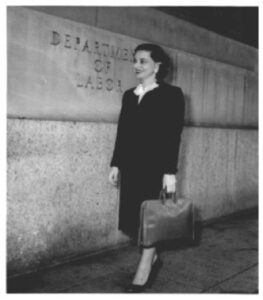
139	288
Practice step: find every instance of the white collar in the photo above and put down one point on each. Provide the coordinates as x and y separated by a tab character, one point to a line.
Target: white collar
139	90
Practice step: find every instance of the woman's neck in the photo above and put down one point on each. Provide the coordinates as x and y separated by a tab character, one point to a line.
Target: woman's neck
148	82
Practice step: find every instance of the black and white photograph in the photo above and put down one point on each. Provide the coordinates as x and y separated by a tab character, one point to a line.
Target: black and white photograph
132	162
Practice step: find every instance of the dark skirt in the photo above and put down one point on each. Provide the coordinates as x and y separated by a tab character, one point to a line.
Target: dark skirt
136	186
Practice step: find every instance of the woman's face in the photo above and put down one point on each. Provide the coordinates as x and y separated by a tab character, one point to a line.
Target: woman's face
144	66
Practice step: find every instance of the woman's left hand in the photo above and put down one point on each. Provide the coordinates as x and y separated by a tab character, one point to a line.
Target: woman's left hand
169	183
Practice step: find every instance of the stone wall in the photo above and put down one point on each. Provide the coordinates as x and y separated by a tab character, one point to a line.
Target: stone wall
61	135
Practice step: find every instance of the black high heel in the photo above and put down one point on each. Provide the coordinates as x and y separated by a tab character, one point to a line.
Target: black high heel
139	288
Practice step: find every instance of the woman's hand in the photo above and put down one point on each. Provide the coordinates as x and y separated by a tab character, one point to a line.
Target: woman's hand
169	183
114	176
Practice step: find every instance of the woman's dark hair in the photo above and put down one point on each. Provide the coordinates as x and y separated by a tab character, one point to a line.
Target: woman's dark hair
158	55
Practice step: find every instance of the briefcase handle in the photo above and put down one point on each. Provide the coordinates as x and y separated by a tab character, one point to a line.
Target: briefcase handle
163	196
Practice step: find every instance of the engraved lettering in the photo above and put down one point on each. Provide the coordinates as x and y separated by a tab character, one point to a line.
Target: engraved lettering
108	66
101	56
99	83
55	38
89	83
97	48
109	84
115	53
67	41
125	54
105	49
77	43
98	65
86	47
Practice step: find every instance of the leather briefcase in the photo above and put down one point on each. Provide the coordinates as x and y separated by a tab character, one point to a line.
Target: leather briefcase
165	219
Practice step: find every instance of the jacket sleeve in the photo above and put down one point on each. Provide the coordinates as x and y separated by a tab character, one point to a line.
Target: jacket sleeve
116	157
173	122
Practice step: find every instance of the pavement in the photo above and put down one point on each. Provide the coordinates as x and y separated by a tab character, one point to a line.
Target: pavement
224	259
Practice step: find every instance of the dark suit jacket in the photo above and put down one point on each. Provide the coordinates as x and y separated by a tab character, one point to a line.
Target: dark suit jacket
148	134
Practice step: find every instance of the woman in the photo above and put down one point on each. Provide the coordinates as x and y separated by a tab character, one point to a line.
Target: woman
146	148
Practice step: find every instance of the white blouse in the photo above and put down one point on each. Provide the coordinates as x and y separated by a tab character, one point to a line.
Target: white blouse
140	91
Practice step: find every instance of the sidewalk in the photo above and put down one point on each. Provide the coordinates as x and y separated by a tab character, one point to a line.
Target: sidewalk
224	261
